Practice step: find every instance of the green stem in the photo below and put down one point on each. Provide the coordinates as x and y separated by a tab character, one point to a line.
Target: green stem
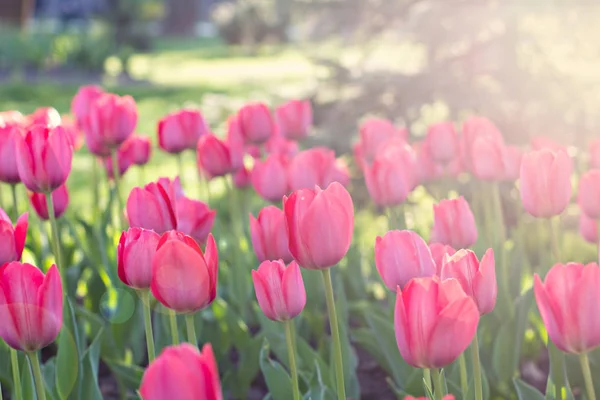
427	379
439	385
96	189
117	179
477	368
16	375
587	375
554	239
145	296
174	328
191	329
488	213
289	336
396	217
13	189
464	379
37	375
335	334
56	239
500	227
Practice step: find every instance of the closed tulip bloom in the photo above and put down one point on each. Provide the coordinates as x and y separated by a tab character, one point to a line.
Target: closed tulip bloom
269	235
194	218
374	133
137	149
435	321
454	223
401	256
477	127
568	301
135	252
9	172
339	172
30	306
123	162
512	162
48	117
112	119
60	200
319	225
279	289
44	158
151	208
184	278
73	132
269	178
438	253
294	119
172	187
12	238
478	279
82	102
392	176
313	167
487	157
594	150
242	178
214	156
236	143
280	145
428	169
256	123
589	193
588	228
545	182
182	372
442	142
12	117
180	130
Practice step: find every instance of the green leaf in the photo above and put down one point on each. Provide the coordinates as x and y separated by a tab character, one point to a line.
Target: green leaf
131	375
27	385
318	390
277	379
350	360
68	364
89	387
526	392
49	372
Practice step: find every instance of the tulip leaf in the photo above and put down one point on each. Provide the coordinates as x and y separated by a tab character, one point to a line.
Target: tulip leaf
129	374
526	392
68	364
27	383
49	374
318	390
89	388
350	360
277	379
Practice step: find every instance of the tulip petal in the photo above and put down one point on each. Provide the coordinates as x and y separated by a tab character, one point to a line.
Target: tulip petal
552	318
294	293
295	208
50	303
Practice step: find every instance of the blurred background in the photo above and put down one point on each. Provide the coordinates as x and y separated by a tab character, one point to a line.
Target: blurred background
532	66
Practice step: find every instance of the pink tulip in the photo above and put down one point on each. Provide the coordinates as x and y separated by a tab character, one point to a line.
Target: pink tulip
182	373
48	117
184	279
392	175
44	158
73	132
242	178
135	252
435	321
374	133
512	162
454	223
82	102
589	193
180	130
12	239
314	167
478	280
543	142
442	142
477	127
487	158
279	289
214	156
60	201
123	162
568	301
172	187
256	123
194	218
137	149
545	182
282	146
594	150
319	225
588	228
438	253
12	117
111	120
269	178
294	119
401	256
269	235
30	306
152	208
235	143
9	172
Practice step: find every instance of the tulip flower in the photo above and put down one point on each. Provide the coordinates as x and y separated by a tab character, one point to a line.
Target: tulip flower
183	373
44	158
194	218
30	306
512	162
294	119
442	142
279	289
478	279
60	200
181	130
319	225
314	167
545	182
235	143
438	252
9	172
73	132
401	256
111	120
82	102
474	128
269	235
588	228
215	156
184	278
12	117
242	178
374	133
172	187
135	252
123	162
435	321
152	208
487	158
454	223
392	175
137	149
280	145
594	151
48	117
256	123
589	193
269	178
12	239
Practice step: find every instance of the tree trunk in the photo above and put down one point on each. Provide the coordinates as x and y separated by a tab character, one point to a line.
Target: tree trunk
182	16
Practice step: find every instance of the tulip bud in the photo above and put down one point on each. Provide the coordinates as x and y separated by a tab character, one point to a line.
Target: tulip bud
269	236
214	156
589	193
30	306
280	145
512	162
82	102
60	201
279	289
12	239
315	167
474	128
442	142
242	178
269	178
9	172
588	228
454	223
135	252
438	252
194	218
73	132
488	158
294	119
256	123
137	149
184	279
123	163
111	120
152	208
181	130
374	134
